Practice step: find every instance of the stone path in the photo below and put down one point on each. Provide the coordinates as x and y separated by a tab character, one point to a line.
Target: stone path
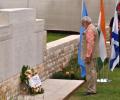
55	90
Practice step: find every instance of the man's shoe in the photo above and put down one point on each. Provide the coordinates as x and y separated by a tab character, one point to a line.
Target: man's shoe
89	93
93	93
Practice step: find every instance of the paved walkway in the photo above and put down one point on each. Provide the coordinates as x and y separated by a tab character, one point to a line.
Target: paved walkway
55	89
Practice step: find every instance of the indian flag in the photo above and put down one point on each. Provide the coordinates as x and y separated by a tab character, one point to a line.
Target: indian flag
102	32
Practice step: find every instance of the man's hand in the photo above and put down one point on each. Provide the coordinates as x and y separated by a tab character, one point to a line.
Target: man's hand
87	60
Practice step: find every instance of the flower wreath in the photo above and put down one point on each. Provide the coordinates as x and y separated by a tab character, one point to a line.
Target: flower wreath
31	78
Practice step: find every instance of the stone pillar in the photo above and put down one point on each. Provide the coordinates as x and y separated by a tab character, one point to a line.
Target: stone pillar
22	42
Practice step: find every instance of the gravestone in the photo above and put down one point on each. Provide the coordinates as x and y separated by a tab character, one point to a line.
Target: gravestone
22	40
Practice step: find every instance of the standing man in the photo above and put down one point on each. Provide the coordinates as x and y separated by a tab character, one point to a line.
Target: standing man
90	53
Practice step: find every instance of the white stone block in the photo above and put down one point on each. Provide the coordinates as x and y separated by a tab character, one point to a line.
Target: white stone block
42	35
5	33
16	15
20	41
13	3
6	59
4	29
23	28
26	51
40	25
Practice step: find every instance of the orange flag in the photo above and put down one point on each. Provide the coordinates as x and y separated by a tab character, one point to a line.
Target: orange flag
102	32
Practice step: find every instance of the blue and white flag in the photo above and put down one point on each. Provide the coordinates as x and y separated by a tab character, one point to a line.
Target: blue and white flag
114	59
81	62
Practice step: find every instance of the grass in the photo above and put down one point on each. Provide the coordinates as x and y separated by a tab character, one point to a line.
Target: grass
55	35
105	91
52	36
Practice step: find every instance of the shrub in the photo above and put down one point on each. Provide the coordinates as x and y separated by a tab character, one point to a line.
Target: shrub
72	71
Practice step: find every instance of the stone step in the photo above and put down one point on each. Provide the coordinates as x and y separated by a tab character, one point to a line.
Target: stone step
55	89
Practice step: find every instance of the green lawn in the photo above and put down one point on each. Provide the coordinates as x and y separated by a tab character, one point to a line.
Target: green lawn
51	36
55	35
105	91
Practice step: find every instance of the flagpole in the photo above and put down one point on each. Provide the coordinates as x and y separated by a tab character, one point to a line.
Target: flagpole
109	80
109	59
99	72
103	72
103	77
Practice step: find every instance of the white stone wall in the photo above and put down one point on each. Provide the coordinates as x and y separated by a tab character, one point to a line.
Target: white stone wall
13	4
22	40
62	14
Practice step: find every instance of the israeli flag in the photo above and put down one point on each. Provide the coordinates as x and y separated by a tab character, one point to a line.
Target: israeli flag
114	59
